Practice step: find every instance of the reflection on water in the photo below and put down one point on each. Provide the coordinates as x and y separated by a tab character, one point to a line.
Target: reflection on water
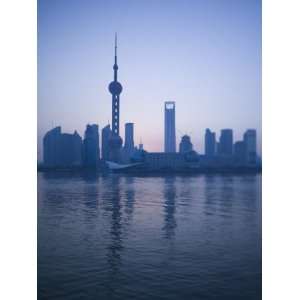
125	237
169	207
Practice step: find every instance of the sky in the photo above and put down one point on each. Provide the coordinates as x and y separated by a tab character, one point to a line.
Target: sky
203	54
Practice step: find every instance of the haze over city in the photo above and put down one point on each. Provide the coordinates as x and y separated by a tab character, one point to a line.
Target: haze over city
204	55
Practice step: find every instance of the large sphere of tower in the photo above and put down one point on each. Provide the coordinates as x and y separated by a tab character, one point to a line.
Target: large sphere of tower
115	88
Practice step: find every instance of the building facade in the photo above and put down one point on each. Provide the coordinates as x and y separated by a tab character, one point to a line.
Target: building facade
62	149
226	142
185	145
210	143
170	135
129	139
51	148
91	151
105	135
239	153
250	146
160	160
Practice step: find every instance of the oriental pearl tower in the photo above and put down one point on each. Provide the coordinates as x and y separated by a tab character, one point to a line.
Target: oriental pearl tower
115	88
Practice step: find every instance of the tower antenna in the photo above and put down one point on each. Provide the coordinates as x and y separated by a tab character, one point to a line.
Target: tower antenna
116	46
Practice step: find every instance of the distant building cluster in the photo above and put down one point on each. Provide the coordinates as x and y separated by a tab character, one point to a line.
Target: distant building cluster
69	150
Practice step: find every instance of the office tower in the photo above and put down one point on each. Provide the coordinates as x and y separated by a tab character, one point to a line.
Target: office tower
91	146
250	146
210	143
105	135
62	149
115	88
51	150
129	141
185	145
239	152
226	142
170	138
71	149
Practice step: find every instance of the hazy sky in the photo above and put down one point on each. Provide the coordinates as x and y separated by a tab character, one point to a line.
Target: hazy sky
204	55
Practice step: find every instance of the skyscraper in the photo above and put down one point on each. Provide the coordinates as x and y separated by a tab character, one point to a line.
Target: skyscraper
210	143
91	149
250	146
129	141
51	149
226	142
239	152
170	137
185	145
115	88
62	149
105	135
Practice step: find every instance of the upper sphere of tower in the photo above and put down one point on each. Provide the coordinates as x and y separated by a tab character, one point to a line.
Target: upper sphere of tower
115	88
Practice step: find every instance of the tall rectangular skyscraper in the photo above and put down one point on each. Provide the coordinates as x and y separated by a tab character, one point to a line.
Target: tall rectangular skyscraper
91	149
226	142
250	146
210	143
105	135
170	136
129	142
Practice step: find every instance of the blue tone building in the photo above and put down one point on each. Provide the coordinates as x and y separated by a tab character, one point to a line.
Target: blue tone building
105	136
210	143
185	145
226	142
170	136
250	146
62	149
129	139
239	153
91	149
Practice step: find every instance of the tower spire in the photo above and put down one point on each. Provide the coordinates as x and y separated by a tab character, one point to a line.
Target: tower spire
116	65
116	45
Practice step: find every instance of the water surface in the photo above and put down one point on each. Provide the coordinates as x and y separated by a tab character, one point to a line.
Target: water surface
172	237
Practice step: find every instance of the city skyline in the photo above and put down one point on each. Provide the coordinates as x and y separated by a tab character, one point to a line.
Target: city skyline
239	114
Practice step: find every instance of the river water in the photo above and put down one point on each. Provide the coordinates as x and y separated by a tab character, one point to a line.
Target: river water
170	237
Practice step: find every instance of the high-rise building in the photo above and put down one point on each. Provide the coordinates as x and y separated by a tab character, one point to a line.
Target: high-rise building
185	145
239	152
210	143
105	135
250	146
115	88
51	149
129	141
226	142
170	136
91	149
71	149
62	149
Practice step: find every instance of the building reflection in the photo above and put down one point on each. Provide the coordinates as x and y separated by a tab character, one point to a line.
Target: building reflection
121	199
169	207
227	194
210	194
129	197
115	247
